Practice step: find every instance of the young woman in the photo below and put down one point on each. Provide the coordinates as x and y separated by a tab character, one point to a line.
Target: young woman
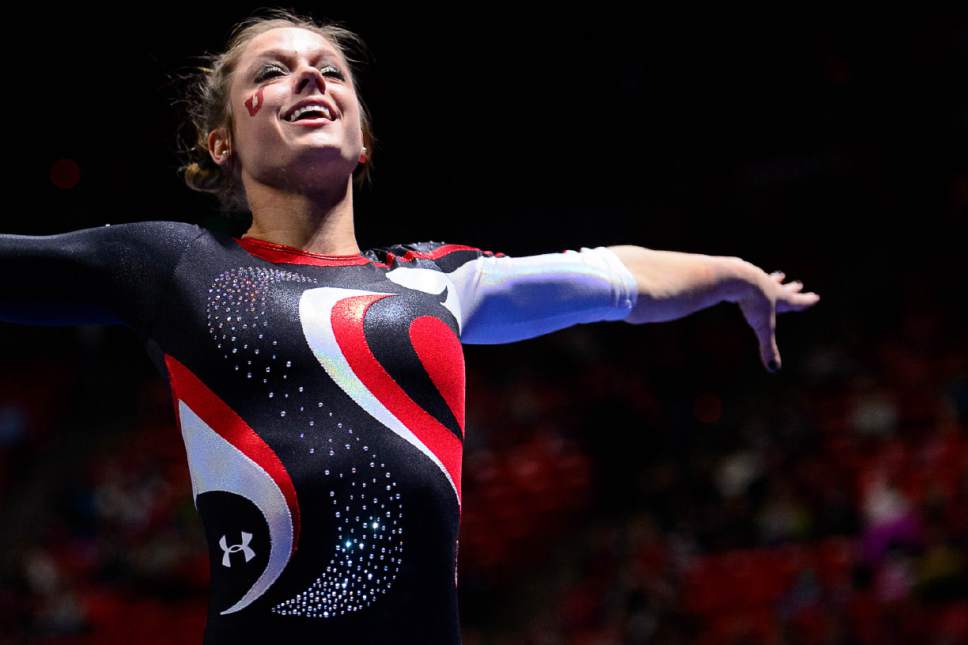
319	388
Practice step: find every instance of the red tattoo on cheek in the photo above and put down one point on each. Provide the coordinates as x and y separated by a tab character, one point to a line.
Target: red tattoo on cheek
254	103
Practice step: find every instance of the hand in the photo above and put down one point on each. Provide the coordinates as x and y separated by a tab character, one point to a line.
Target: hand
766	297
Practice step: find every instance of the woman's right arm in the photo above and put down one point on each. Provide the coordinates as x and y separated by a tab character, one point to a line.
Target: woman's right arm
112	274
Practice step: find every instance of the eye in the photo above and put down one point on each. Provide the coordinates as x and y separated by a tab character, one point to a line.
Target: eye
267	72
335	71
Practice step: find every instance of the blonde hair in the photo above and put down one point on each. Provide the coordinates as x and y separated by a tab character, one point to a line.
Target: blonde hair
208	107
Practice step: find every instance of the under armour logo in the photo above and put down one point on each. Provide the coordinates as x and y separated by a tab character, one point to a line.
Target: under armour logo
235	548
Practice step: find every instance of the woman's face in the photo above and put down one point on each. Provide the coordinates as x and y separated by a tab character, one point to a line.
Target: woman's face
278	70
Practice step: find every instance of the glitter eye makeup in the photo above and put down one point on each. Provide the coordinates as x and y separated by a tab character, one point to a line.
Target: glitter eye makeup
267	72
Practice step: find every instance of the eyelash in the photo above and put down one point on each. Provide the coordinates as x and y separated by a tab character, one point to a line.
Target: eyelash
263	73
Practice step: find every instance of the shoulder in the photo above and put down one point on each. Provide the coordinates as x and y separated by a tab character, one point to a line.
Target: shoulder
447	256
154	237
159	231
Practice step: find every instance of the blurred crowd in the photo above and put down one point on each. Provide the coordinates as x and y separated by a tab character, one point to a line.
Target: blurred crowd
831	507
621	485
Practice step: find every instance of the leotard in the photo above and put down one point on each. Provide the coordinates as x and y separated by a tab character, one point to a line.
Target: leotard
320	400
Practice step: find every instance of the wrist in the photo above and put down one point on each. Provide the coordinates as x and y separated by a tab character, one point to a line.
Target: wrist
737	278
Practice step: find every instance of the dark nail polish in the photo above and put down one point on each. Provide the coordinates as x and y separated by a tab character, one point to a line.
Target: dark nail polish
774	367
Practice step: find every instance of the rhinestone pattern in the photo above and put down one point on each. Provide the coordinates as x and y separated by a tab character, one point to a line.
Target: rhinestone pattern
366	559
363	496
236	315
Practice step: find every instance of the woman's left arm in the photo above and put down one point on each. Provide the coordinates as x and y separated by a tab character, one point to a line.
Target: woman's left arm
672	285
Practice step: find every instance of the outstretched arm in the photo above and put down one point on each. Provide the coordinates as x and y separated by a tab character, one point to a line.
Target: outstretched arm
112	274
503	299
672	285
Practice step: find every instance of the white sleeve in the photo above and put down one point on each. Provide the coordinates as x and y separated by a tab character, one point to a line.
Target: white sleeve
505	299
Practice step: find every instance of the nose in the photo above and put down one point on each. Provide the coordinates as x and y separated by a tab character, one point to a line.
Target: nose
309	75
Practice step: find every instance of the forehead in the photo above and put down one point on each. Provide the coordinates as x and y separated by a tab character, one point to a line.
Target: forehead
292	40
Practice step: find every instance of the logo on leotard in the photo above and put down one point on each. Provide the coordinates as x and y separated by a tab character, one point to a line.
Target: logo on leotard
235	548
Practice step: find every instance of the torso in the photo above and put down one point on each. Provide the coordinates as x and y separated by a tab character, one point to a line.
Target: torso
322	408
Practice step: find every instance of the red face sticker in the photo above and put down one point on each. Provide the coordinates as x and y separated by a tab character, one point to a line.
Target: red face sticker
254	103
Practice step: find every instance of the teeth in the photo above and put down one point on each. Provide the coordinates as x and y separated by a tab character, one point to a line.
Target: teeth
295	114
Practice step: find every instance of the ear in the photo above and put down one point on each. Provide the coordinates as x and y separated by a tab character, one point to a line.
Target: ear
219	146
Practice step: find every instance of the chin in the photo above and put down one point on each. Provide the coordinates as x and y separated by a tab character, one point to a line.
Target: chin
320	169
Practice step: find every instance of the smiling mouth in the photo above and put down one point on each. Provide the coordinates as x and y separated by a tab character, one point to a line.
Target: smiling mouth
316	120
308	110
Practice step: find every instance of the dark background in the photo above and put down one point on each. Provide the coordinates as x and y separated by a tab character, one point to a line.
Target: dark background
832	147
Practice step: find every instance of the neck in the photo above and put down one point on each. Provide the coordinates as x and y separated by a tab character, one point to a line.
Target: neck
318	222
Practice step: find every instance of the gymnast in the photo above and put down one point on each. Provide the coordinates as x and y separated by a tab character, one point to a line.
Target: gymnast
319	387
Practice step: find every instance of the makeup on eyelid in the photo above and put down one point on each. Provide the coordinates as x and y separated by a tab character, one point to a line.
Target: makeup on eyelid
263	73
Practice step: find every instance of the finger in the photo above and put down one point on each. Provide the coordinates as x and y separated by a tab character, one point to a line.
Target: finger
796	301
761	317
769	350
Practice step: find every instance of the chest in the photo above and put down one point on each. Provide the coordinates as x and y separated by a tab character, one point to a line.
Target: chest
279	342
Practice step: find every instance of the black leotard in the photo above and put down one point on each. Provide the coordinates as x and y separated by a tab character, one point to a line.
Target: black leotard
320	400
